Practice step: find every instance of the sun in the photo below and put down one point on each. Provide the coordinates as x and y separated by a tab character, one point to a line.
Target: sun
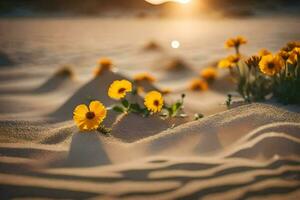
175	44
163	1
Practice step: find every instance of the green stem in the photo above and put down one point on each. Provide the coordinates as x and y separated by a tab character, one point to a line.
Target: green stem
237	51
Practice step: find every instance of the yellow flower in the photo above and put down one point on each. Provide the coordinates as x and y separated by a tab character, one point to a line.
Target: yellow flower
198	85
235	42
166	91
154	101
291	45
104	64
144	77
118	89
284	55
271	65
294	56
229	62
140	90
253	61
89	118
264	52
209	74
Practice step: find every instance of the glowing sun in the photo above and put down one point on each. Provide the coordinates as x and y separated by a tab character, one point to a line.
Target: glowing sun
163	1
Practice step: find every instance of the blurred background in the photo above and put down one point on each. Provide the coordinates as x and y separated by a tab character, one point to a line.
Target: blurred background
38	33
145	8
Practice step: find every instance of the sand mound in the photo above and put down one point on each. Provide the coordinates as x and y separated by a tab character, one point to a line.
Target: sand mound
152	46
213	134
40	132
186	162
133	127
94	89
291	129
269	145
62	79
174	64
5	60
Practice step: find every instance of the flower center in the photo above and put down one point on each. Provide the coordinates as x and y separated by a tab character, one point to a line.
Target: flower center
271	65
197	87
156	103
236	60
90	115
121	90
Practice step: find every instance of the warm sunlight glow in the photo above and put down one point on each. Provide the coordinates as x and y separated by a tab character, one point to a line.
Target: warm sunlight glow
184	1
163	1
175	44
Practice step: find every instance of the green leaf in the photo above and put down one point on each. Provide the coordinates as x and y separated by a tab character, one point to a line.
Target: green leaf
125	103
175	108
118	109
178	105
135	108
146	112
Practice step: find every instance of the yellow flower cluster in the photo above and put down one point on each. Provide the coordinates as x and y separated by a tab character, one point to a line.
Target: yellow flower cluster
89	118
272	64
265	74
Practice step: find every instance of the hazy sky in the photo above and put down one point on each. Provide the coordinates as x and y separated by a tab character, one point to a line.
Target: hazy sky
162	1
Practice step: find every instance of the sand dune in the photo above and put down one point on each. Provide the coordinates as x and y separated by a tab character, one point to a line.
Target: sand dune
57	82
250	151
227	155
94	89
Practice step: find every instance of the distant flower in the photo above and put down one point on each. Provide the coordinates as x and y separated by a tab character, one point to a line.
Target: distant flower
284	55
89	118
253	61
154	101
294	56
290	46
166	91
235	42
209	74
264	52
118	89
271	65
104	64
140	90
229	62
144	77
198	85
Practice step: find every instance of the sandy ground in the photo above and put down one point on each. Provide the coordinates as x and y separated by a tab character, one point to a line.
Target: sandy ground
246	152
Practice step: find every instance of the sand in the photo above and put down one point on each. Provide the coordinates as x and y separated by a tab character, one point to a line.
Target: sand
249	151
